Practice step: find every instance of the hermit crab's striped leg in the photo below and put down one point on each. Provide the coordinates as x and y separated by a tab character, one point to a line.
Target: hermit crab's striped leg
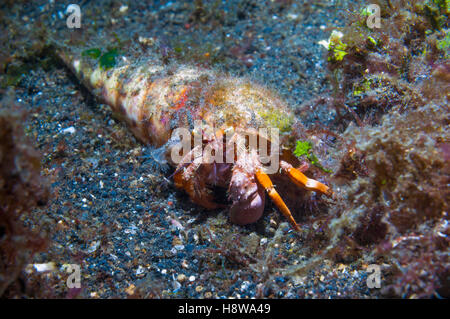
265	182
301	180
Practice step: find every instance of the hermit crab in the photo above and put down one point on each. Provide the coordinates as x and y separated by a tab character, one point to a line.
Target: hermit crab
218	131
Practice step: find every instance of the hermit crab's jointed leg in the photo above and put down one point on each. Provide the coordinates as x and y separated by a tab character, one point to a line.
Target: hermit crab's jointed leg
265	181
156	99
299	179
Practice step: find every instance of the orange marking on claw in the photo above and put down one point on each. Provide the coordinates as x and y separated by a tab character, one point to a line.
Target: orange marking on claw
301	180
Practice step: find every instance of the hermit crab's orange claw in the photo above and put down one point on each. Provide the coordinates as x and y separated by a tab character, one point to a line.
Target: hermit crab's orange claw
198	195
265	182
301	180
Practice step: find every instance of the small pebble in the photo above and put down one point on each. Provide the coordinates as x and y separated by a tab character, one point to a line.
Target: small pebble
130	290
181	278
192	278
199	288
140	270
93	247
123	9
69	130
208	295
94	294
44	267
176	241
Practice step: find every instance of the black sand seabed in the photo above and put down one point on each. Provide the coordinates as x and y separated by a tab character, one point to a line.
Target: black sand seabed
115	213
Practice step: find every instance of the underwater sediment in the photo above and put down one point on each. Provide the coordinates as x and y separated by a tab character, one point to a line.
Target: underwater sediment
374	105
